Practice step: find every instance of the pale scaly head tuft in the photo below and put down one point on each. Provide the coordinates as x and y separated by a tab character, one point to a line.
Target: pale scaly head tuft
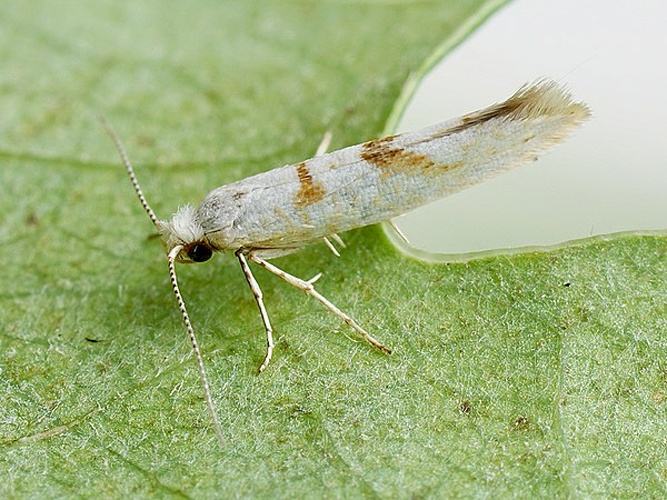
184	230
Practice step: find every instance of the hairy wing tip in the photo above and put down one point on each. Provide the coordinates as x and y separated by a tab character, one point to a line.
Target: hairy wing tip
545	97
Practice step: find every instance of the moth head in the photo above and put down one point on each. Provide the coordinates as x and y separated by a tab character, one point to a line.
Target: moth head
184	231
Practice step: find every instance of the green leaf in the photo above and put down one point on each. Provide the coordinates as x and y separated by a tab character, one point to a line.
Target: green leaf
539	374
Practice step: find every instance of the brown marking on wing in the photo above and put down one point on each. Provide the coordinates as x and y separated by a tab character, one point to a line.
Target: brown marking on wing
378	143
309	191
391	160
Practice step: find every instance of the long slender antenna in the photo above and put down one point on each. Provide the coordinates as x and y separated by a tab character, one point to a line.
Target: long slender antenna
130	171
171	258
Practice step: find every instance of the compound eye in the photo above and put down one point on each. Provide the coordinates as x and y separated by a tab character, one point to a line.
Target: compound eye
199	252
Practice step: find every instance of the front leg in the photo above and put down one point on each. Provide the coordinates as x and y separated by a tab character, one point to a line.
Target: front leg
257	292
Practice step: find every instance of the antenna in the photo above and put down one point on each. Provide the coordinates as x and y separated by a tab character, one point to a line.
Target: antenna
171	258
130	171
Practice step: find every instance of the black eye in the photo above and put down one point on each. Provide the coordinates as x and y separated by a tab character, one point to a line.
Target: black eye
199	252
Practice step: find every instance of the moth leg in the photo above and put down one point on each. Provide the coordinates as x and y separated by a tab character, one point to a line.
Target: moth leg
324	143
257	292
307	286
330	246
398	231
338	240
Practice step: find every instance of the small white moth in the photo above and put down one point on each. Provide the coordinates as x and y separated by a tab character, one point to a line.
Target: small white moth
282	210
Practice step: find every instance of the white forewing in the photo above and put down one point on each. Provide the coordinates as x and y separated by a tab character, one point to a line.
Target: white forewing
294	205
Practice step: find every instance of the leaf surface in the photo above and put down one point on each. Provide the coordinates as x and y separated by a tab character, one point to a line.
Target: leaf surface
533	374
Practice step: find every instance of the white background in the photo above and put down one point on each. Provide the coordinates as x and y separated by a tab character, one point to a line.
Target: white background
610	176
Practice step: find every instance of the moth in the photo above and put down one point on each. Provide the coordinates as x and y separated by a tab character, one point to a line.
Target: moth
282	210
